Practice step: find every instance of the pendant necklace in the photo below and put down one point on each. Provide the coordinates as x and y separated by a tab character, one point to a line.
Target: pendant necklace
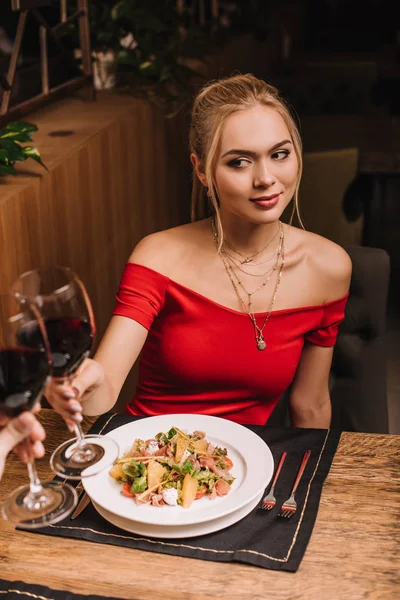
258	331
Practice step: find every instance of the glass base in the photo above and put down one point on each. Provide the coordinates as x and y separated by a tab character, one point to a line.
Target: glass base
54	502
74	461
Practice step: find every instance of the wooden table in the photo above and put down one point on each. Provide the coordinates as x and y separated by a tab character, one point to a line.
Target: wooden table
353	552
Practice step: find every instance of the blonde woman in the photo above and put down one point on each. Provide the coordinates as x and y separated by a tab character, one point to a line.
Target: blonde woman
229	310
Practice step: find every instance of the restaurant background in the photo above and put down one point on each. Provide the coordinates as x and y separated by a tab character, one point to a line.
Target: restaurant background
119	167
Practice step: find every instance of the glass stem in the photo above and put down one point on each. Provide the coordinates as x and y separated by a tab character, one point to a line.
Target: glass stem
35	487
38	499
77	428
79	435
35	498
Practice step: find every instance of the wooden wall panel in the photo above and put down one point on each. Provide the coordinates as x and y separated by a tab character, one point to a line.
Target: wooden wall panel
124	173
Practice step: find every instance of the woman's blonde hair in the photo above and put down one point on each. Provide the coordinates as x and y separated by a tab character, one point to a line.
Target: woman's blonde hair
212	106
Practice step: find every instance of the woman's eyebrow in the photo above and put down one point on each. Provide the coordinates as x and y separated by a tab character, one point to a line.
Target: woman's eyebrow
252	154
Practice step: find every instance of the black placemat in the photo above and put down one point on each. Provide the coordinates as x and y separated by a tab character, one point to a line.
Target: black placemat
262	538
16	590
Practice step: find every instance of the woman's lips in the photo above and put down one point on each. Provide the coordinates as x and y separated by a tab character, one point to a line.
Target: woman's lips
266	201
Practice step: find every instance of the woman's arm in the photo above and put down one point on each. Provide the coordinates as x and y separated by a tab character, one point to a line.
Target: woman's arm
97	382
117	353
310	402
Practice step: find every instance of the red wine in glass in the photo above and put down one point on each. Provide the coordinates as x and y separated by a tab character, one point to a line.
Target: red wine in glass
24	372
67	314
23	375
69	339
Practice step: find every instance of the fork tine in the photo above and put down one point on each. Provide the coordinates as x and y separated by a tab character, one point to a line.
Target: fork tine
287	511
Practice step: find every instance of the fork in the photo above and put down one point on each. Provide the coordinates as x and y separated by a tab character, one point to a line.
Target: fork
289	507
269	500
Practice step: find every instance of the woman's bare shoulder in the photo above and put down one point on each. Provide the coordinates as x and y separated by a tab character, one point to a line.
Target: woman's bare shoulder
328	262
164	250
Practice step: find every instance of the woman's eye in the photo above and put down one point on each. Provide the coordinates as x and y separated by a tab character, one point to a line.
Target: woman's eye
280	155
238	163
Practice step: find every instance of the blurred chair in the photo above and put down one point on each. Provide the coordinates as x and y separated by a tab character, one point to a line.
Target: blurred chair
326	177
358	375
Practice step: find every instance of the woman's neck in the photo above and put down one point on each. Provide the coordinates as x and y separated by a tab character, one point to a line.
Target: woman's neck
245	236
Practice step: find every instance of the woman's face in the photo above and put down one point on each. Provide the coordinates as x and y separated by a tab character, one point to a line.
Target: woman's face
256	168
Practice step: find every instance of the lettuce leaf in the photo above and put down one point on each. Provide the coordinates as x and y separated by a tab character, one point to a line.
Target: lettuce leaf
134	469
139	485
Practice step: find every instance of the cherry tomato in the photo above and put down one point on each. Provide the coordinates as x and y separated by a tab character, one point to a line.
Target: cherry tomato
126	490
201	492
230	463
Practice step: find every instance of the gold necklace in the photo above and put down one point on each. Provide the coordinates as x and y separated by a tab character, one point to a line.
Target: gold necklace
258	331
248	259
267	272
250	294
263	284
236	262
251	264
236	266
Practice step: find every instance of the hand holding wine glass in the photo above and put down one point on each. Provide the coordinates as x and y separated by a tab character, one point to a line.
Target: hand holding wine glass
16	430
24	371
67	313
66	398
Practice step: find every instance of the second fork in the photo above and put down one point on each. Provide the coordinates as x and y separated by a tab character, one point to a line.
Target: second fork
289	507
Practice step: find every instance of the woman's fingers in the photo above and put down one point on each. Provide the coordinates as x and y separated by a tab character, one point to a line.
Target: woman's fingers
64	401
37	449
21	451
65	396
88	376
62	398
19	428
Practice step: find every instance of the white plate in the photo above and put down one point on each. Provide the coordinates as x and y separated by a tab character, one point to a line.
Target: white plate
181	531
253	468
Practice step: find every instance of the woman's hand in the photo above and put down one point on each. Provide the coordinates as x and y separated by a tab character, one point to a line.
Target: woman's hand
14	431
65	395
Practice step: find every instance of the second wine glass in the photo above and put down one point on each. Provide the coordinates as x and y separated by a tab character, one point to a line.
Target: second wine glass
24	372
64	304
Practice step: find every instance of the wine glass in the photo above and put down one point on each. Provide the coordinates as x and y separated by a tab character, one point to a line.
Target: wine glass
25	367
64	304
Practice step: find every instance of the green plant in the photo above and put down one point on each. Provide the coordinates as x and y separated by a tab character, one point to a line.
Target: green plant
158	52
11	151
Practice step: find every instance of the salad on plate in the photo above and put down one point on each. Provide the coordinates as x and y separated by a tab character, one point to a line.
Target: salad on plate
174	468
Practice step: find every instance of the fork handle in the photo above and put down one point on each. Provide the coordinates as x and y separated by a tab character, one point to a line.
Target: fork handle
306	456
278	470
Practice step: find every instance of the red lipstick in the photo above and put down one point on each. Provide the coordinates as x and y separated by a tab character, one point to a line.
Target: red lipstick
266	201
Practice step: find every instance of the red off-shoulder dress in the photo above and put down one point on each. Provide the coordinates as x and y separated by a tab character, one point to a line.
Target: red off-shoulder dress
201	357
